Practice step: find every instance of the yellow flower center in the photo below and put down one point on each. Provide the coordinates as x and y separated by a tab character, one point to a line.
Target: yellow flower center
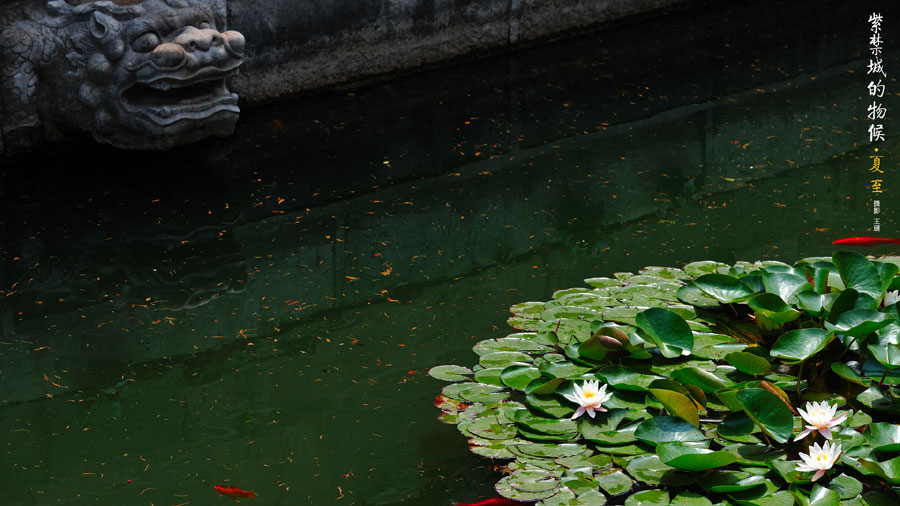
588	395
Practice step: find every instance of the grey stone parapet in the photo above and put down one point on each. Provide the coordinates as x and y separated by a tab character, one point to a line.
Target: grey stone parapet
300	45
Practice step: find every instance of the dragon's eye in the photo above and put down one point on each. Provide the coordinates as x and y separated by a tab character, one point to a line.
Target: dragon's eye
145	42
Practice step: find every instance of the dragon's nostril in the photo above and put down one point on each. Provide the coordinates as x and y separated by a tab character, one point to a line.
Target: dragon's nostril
168	55
235	41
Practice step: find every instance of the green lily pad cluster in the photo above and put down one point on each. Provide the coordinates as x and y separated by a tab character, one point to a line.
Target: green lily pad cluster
707	367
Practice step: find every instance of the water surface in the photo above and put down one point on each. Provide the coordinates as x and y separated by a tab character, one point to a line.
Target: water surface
261	311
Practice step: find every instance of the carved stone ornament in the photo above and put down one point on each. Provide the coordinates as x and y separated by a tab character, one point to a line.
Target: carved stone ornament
135	74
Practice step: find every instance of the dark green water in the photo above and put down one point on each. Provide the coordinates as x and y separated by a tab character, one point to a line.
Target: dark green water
261	311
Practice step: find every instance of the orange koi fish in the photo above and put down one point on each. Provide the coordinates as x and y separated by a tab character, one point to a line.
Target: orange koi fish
233	491
494	501
866	241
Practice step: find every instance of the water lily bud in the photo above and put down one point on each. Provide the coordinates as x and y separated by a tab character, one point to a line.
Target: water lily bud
614	333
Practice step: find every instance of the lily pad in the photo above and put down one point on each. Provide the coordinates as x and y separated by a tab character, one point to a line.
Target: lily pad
514	342
573	312
592	498
550	405
755	454
846	486
749	363
848	374
528	485
888	469
875	498
614	482
475	392
768	411
527	309
603	282
450	372
605	439
648	498
730	481
821	496
523	323
566	497
535	423
888	355
548	451
816	303
860	322
689	458
678	404
715	346
487	428
559	294
780	498
858	273
562	369
770	307
503	358
705	380
691	294
518	376
634	449
579	481
493	451
785	285
883	437
705	267
736	424
625	378
688	498
544	385
603	422
563	497
798	345
586	299
846	300
668	331
664	429
648	469
489	376
875	399
623	314
786	470
725	289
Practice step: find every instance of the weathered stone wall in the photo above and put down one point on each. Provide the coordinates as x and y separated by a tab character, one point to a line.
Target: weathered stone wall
299	45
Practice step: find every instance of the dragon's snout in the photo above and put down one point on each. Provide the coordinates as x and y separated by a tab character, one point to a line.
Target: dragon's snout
206	45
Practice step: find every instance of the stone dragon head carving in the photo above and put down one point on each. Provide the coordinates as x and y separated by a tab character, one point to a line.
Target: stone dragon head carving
135	74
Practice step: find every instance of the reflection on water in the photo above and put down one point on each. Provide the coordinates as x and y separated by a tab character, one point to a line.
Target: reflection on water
260	312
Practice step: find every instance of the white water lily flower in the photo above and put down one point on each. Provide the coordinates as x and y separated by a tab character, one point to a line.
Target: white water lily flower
891	297
589	397
820	459
820	418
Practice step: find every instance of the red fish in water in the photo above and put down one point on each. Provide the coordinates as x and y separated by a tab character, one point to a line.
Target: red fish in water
494	501
866	241
233	491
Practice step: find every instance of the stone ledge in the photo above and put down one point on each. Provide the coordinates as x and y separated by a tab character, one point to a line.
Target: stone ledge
296	47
